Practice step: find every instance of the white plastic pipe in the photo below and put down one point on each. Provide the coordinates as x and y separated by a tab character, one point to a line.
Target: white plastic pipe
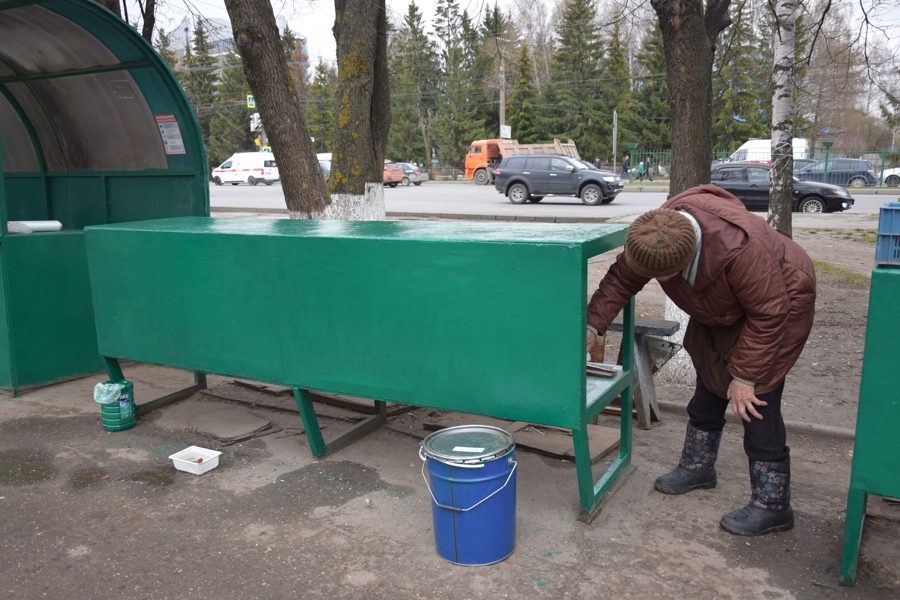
40	226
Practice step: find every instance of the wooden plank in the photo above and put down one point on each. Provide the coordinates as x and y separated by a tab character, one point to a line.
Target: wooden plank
549	441
643	326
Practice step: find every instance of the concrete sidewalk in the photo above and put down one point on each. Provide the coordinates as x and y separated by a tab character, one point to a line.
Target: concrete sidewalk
91	514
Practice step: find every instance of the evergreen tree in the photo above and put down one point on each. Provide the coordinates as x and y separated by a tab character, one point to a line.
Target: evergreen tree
456	123
739	88
415	76
617	93
229	125
199	80
648	117
574	107
163	47
298	65
522	103
320	109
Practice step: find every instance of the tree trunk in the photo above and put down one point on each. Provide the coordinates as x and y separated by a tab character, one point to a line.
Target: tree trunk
262	55
112	6
781	191
689	41
148	14
363	110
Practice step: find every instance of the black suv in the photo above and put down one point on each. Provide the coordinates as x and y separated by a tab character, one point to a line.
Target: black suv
750	183
841	171
530	178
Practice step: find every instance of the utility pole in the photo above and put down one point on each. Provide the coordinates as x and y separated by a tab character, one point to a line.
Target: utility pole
502	91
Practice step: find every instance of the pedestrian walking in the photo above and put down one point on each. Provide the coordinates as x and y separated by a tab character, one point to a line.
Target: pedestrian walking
598	163
751	295
626	169
640	171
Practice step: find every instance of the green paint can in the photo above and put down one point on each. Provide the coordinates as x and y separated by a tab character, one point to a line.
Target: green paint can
118	413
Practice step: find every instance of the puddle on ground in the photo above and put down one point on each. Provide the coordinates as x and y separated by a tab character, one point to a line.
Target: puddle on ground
23	466
161	476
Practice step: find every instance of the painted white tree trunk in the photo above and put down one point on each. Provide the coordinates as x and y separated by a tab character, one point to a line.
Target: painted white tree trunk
782	184
351	207
679	369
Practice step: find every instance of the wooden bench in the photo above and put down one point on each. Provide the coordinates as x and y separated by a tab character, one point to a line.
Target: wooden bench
645	389
480	318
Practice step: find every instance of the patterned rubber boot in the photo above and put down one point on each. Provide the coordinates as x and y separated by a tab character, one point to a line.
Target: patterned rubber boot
696	469
770	501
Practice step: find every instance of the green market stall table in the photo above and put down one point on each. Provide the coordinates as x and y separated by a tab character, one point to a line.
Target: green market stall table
876	450
481	318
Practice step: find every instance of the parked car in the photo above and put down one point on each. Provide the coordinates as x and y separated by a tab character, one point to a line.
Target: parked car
750	183
802	163
393	174
413	174
247	167
892	177
531	178
841	171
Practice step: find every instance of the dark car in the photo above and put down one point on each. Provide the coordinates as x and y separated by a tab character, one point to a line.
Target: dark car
530	178
802	163
750	183
841	171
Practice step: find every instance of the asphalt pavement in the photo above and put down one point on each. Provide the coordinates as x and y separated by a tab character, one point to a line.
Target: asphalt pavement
470	201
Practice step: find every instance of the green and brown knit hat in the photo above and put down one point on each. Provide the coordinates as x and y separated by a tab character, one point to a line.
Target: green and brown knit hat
660	243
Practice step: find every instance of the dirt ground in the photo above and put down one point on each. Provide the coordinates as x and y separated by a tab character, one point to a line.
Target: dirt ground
92	514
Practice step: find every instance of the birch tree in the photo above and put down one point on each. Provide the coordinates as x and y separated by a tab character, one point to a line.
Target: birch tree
782	173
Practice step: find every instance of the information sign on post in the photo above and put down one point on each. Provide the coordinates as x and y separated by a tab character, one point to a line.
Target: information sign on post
505	132
251	101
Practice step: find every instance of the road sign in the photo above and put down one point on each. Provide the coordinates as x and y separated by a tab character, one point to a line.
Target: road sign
505	132
251	101
434	160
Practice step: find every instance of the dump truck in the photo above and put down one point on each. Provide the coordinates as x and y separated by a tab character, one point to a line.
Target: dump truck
485	155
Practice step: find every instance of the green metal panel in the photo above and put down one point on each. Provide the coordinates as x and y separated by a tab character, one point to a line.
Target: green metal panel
6	360
876	455
136	198
436	314
53	336
26	198
78	201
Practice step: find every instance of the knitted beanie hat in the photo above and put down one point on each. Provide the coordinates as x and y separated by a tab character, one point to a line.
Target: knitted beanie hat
660	243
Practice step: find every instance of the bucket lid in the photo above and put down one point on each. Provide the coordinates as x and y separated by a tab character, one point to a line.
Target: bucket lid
468	444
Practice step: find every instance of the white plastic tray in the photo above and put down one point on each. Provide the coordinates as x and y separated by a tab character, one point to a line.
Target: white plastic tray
196	460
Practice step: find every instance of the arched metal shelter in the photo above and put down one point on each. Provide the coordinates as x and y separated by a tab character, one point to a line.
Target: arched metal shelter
94	128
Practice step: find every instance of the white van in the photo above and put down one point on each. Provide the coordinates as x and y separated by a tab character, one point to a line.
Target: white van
761	151
247	167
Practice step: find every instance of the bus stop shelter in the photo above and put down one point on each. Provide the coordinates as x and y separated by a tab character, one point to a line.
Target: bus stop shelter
94	129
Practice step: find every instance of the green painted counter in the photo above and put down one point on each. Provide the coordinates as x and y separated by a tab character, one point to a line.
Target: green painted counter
876	449
483	318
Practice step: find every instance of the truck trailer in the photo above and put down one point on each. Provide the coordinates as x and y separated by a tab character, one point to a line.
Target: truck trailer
485	155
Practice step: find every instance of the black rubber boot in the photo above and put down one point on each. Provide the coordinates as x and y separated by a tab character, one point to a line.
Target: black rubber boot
770	501
696	469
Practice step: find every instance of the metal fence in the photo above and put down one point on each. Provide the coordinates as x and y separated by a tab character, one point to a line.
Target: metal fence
814	164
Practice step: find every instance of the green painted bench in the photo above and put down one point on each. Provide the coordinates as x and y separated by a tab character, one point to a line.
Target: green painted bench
482	318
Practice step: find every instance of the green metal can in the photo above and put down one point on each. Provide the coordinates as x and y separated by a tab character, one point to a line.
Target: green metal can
119	416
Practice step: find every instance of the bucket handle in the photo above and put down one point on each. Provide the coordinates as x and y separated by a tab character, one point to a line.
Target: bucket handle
511	461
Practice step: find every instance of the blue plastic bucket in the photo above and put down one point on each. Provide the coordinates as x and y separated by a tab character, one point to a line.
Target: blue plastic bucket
472	480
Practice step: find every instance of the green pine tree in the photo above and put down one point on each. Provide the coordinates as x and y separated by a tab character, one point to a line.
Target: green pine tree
320	110
648	117
229	125
617	94
574	105
200	78
522	103
163	47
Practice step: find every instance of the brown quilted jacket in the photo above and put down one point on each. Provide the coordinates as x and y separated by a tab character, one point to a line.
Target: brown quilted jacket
753	301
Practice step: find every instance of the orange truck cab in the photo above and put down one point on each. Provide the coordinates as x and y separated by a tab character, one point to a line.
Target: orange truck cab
485	155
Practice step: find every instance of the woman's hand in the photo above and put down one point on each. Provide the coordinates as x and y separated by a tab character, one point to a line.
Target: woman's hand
743	400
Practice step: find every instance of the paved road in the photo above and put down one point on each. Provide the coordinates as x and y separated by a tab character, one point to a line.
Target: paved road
473	200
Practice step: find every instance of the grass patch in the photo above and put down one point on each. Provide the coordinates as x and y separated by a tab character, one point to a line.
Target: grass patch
865	236
841	274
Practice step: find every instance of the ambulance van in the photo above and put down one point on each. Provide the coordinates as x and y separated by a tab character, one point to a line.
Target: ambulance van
247	167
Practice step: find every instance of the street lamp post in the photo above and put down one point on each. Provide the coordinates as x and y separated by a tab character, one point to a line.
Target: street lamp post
827	146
